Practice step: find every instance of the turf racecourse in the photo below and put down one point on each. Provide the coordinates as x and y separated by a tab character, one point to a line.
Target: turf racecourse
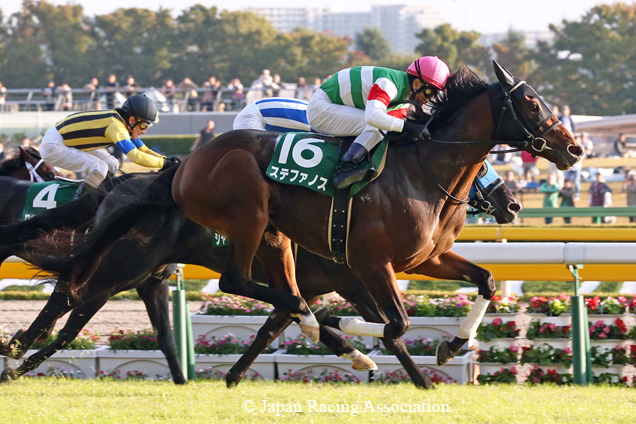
58	401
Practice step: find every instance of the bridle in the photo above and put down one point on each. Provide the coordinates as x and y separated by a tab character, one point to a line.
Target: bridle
35	177
532	135
479	200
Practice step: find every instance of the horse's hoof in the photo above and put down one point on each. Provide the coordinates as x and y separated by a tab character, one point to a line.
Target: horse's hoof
232	380
443	354
428	384
312	333
10	349
8	375
364	363
309	326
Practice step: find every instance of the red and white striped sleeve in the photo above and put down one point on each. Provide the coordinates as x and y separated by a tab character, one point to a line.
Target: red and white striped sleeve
375	113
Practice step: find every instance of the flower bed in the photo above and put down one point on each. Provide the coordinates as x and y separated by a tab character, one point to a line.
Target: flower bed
500	355
551	375
538	330
459	369
243	327
66	362
504	305
497	376
133	340
400	376
302	356
234	305
214	358
497	329
75	360
545	354
132	353
150	363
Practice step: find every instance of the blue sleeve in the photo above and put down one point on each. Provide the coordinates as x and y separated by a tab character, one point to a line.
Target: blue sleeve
126	145
138	143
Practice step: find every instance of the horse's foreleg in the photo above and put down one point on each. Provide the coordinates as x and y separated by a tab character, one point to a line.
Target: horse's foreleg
275	255
241	212
78	319
273	327
154	292
451	266
57	305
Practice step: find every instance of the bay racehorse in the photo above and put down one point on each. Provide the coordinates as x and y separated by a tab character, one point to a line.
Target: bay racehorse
177	239
27	164
408	218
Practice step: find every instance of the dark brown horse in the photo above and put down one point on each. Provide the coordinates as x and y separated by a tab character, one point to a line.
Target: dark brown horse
410	217
174	238
27	164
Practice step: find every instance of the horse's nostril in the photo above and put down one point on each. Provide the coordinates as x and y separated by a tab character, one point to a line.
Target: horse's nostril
514	207
575	150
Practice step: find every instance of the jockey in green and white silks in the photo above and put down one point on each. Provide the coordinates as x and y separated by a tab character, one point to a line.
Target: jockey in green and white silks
354	102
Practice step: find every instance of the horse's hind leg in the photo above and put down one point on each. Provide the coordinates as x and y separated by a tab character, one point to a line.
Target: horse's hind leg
379	280
78	319
154	293
451	266
57	305
233	199
369	311
272	329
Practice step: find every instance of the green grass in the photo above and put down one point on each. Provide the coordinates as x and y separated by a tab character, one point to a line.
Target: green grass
445	286
85	402
608	287
566	287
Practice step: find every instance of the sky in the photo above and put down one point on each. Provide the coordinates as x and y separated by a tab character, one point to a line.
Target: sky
484	16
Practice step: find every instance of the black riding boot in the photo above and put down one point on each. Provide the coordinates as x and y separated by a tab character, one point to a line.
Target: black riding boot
82	190
349	171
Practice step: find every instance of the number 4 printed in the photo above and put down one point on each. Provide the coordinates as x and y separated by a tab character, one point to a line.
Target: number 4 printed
46	197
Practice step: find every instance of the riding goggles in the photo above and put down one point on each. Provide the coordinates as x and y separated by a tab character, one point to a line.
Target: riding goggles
143	124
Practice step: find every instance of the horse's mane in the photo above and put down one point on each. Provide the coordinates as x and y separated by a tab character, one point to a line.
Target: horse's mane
15	162
461	87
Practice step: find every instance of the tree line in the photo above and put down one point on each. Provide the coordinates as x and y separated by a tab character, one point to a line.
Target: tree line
589	64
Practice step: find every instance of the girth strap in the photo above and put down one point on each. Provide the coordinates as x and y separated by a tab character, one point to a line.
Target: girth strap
339	219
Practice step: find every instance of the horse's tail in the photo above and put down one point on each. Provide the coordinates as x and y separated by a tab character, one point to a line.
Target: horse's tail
70	216
74	271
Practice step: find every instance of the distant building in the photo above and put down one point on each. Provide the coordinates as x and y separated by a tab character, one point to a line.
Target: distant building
398	23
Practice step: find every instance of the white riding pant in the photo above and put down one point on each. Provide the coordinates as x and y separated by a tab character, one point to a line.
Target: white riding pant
55	152
250	118
329	118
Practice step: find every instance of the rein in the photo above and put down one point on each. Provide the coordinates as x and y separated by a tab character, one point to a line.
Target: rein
33	171
508	106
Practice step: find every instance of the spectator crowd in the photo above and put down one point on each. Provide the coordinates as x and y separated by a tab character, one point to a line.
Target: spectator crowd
186	95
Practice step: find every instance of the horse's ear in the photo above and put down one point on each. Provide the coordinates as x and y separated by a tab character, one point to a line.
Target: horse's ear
503	75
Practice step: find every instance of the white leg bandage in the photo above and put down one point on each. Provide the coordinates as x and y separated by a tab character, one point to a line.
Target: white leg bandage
468	327
357	327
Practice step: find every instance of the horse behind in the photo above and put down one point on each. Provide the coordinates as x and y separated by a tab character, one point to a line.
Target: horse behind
173	238
27	164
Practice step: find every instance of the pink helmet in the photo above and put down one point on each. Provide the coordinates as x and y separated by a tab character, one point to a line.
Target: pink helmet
431	69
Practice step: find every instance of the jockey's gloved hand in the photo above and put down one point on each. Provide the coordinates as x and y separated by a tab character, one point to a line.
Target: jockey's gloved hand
417	129
170	162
